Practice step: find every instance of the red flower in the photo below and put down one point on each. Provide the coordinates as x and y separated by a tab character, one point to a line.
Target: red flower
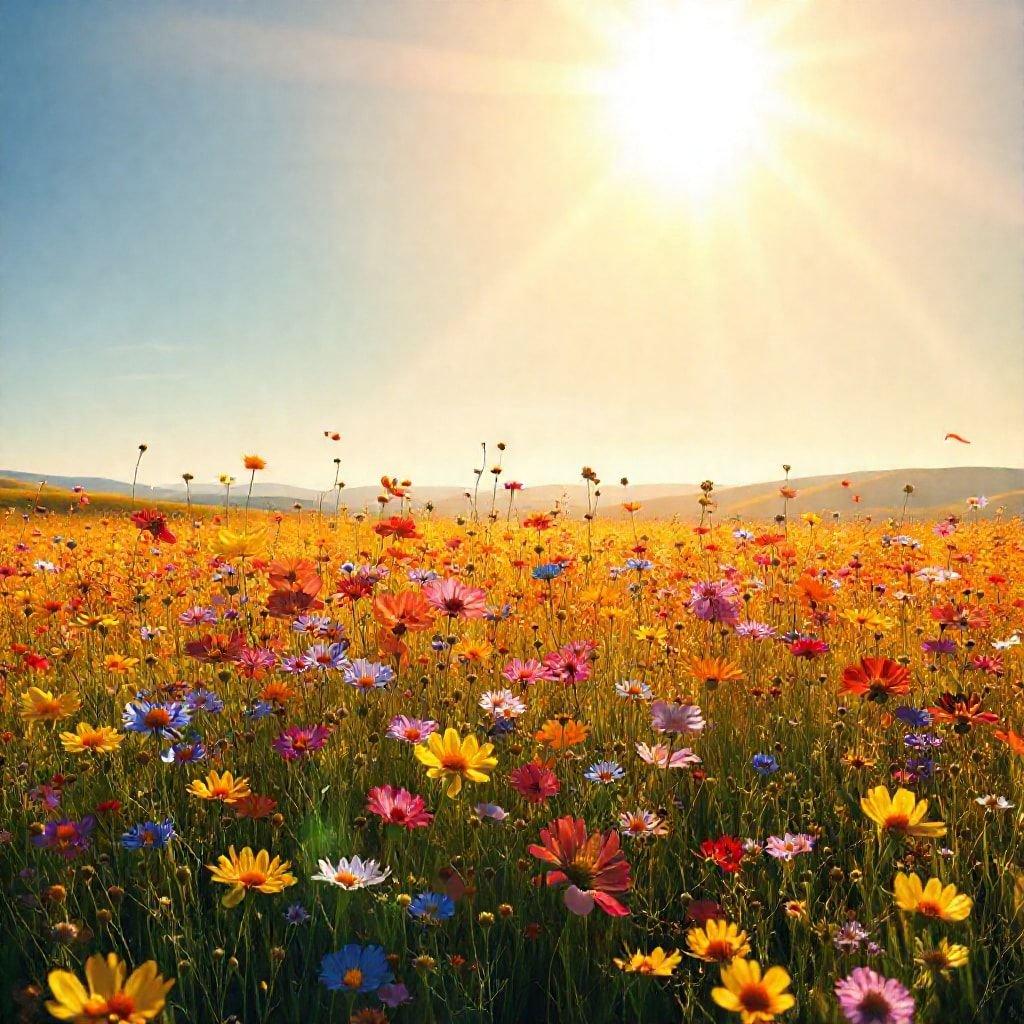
534	781
726	852
397	526
150	520
876	678
592	865
808	647
217	647
962	711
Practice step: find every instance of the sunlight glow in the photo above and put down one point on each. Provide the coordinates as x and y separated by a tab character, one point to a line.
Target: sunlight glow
690	95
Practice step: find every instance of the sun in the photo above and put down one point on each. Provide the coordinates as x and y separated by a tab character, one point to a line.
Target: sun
689	96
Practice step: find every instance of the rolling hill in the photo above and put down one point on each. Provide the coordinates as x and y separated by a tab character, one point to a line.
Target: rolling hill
936	492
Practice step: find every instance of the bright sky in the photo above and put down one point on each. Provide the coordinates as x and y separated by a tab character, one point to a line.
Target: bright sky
672	250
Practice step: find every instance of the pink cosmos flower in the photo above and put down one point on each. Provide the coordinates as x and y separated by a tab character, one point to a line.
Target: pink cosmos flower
455	599
398	807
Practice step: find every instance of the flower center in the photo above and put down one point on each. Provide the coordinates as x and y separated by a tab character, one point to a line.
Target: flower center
720	950
454	762
929	908
353	978
874	1007
157	718
897	822
252	879
755	998
345	878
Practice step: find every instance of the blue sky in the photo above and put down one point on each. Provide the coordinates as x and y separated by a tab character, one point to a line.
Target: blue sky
229	227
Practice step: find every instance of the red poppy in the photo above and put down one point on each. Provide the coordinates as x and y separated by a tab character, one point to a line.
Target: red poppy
152	521
726	852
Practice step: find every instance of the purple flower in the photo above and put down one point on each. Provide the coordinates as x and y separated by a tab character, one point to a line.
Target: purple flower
393	995
67	837
712	602
939	647
326	657
368	675
866	997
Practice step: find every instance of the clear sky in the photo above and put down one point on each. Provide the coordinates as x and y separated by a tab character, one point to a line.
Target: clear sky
228	227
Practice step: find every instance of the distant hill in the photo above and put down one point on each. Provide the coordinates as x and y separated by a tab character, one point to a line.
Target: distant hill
936	492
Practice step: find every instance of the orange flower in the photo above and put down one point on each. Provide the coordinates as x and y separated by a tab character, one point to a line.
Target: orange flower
558	734
220	786
712	671
1013	740
876	678
406	611
254	462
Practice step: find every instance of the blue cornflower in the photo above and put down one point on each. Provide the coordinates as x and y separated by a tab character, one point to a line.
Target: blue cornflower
498	614
764	764
605	772
914	717
639	564
548	571
502	727
261	709
149	835
922	767
296	914
742	534
356	968
204	700
432	906
155	719
922	740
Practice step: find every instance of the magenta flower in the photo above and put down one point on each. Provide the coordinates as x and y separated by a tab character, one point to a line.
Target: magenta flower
398	807
301	741
569	664
865	997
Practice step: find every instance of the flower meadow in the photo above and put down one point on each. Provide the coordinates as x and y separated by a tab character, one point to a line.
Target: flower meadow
387	766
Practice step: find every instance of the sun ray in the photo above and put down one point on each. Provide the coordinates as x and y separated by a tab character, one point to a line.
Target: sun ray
948	172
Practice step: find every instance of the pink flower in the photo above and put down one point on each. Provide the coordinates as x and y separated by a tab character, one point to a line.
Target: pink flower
455	599
659	756
788	846
411	730
301	741
569	664
866	997
526	673
398	807
676	718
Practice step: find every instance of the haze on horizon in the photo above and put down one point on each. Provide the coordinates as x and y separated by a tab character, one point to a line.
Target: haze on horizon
228	228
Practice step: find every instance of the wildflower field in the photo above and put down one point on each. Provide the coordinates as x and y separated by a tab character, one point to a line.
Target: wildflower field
327	766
